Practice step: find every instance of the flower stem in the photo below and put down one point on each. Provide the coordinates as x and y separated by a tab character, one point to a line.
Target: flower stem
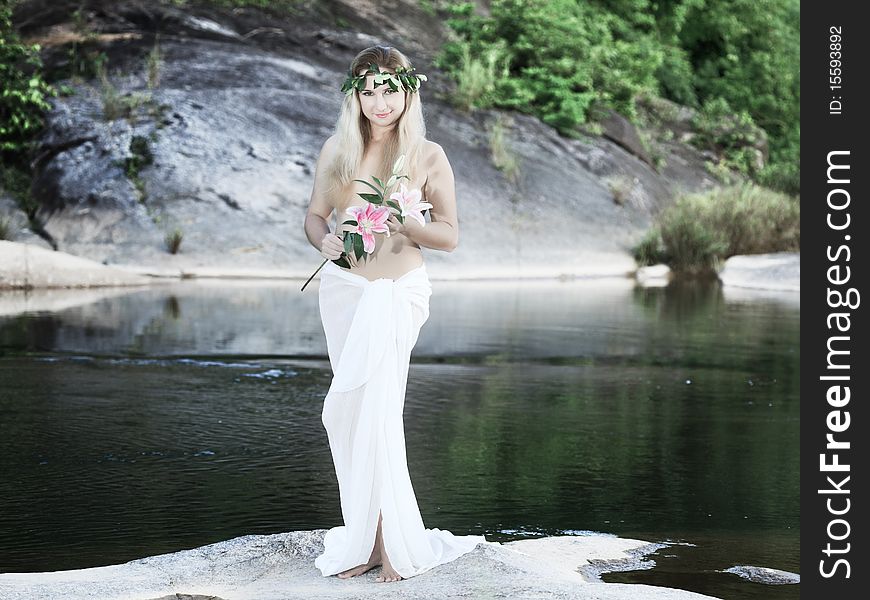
313	274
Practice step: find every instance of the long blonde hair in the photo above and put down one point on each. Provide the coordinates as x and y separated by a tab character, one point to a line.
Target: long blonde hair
353	132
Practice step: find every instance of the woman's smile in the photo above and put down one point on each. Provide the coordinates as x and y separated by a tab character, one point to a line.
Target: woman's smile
382	115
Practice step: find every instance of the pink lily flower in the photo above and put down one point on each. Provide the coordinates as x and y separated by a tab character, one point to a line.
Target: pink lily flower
370	220
409	203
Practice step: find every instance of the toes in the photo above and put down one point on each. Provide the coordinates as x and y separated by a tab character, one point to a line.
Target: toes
387	578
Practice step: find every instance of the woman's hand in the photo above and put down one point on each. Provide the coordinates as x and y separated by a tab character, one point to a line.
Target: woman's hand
407	228
332	247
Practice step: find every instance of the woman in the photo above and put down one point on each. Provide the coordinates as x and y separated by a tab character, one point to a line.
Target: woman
372	314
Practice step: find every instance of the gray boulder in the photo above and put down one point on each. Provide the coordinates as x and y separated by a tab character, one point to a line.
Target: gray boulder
779	271
764	575
281	567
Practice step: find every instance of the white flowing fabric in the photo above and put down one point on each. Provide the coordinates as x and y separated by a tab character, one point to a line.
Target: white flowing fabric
371	327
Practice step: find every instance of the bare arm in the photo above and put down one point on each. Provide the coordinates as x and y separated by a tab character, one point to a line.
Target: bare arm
443	232
319	209
316	225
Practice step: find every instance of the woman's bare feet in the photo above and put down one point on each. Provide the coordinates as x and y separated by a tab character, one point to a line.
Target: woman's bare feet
388	573
378	557
374	561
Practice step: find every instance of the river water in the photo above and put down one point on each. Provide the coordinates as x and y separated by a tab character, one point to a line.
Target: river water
136	422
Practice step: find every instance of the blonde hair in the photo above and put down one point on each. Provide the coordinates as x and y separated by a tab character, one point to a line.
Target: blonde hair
353	133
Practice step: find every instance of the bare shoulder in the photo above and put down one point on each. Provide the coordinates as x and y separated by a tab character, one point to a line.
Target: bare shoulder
435	160
327	151
439	189
319	204
433	153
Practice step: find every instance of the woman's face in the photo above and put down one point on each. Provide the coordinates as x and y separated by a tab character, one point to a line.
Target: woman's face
382	106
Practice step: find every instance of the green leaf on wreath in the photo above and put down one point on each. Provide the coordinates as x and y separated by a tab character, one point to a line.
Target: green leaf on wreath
373	198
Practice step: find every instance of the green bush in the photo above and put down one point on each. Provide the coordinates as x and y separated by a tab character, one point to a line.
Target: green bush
675	76
783	171
558	56
475	78
650	250
699	231
503	157
563	57
748	53
173	239
735	137
782	176
15	180
23	99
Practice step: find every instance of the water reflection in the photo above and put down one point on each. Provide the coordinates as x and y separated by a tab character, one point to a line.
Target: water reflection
158	419
497	321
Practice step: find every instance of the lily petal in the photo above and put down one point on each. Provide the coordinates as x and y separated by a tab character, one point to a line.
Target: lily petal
380	215
417	217
368	242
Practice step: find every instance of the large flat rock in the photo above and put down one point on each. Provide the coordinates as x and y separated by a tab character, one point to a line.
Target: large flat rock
27	265
281	567
779	271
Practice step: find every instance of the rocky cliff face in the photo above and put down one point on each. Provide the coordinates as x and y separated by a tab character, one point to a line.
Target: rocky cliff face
224	148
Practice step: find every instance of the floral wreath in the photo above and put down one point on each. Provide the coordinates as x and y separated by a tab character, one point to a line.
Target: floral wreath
402	78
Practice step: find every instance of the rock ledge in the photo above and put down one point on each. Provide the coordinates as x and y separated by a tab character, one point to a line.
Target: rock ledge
281	567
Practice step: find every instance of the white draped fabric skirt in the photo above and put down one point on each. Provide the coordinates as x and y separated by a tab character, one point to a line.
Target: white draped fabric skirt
371	327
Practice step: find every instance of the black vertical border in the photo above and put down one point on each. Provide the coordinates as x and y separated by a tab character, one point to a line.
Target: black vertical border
823	133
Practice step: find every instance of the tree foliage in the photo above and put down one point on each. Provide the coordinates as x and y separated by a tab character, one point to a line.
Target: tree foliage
555	58
23	97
